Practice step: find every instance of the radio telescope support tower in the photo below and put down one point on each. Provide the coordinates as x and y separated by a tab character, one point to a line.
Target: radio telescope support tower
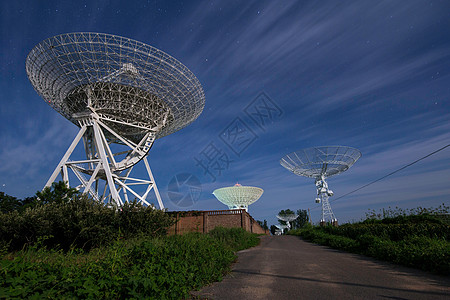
101	164
321	163
123	95
323	193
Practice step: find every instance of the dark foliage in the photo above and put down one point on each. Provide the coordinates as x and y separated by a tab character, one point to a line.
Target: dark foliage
59	192
67	220
10	203
263	224
273	228
302	219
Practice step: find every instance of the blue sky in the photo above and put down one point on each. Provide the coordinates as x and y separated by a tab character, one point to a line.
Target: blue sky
373	75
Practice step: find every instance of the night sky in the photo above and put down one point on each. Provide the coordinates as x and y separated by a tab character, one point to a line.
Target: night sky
374	75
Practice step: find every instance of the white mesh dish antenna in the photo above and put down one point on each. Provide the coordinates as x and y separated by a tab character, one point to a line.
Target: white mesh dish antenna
288	218
238	196
321	163
122	94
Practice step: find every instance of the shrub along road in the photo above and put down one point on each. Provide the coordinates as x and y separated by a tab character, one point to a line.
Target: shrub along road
287	267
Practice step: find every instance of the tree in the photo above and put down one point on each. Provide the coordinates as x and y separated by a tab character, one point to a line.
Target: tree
273	228
8	203
302	218
59	192
265	227
28	202
263	224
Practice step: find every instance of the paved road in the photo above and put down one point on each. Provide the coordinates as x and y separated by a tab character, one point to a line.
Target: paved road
286	267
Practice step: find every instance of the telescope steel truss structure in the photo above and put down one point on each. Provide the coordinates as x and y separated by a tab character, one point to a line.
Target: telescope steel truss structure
123	95
238	196
321	163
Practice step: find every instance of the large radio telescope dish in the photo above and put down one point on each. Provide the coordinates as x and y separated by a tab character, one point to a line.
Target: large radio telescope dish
321	163
122	94
238	196
127	82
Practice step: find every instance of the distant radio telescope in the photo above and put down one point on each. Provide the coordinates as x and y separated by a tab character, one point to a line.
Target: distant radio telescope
238	196
288	219
123	95
321	163
281	227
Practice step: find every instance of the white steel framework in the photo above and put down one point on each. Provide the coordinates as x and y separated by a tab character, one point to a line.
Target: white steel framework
321	163
238	196
123	94
323	193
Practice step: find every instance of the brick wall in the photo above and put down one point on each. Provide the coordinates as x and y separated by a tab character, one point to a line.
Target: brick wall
205	221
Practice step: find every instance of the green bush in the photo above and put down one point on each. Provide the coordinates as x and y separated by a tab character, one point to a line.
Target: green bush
58	192
80	222
323	238
294	231
420	242
344	243
135	219
395	232
425	253
153	268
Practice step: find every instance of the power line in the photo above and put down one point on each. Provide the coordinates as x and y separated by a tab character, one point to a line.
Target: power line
392	173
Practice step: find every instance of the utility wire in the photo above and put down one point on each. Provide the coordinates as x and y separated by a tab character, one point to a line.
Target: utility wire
392	173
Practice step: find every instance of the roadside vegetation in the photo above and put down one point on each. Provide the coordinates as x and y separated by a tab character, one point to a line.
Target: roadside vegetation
69	246
418	238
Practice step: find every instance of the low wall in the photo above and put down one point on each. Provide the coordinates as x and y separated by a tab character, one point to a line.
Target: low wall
205	221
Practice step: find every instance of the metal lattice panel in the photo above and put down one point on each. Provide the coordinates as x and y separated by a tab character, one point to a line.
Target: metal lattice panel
317	161
126	82
238	196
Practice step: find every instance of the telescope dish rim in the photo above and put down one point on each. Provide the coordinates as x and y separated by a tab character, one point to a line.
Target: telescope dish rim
315	162
238	195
